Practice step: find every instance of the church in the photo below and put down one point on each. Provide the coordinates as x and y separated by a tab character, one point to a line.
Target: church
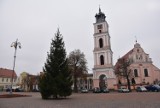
144	72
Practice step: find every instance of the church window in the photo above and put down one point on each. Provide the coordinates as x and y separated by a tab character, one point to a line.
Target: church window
102	60
100	42
100	31
145	72
135	73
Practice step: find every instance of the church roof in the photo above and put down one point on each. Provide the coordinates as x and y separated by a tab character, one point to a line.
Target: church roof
138	51
127	54
125	57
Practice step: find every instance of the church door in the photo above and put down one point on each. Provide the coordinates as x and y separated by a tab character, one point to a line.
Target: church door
102	82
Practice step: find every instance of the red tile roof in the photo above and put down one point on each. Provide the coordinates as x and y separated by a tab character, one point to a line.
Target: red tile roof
7	73
125	57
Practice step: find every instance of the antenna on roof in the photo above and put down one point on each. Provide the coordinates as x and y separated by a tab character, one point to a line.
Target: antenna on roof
99	9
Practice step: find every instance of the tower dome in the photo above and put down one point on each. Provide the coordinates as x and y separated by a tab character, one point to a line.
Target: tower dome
100	17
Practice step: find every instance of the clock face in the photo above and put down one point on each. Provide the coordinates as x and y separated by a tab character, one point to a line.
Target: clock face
99	26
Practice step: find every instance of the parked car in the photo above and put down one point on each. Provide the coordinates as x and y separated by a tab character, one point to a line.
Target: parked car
8	90
141	89
105	90
96	90
123	90
84	90
15	90
157	86
153	88
19	90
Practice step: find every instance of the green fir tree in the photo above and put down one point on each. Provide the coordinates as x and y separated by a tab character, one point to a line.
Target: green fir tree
56	81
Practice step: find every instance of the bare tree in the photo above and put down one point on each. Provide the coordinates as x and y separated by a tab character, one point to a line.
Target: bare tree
77	66
122	70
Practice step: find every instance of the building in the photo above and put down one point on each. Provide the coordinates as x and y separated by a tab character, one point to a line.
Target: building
103	73
6	78
143	70
86	82
28	82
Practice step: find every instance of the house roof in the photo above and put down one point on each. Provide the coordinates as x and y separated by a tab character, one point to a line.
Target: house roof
7	73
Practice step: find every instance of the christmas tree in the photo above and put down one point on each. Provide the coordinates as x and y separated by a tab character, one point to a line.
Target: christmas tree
56	81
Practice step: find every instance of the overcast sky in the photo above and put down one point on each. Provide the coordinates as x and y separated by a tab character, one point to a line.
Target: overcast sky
34	23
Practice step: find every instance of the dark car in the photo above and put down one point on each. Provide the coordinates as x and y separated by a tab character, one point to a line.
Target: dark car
105	90
8	90
96	90
152	88
19	90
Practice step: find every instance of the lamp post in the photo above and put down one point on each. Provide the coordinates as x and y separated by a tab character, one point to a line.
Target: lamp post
15	45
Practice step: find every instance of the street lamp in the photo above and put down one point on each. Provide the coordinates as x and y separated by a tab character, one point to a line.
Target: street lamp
15	45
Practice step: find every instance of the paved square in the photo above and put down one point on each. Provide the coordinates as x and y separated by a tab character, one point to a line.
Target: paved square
88	100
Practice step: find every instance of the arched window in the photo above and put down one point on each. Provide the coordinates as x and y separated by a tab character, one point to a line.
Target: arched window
100	42
145	72
135	73
102	60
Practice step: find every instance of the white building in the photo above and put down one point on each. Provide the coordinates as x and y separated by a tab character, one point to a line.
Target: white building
6	78
103	73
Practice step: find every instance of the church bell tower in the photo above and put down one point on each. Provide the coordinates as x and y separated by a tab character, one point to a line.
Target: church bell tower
103	74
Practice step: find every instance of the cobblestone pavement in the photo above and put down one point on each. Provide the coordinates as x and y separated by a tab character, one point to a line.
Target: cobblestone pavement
88	100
